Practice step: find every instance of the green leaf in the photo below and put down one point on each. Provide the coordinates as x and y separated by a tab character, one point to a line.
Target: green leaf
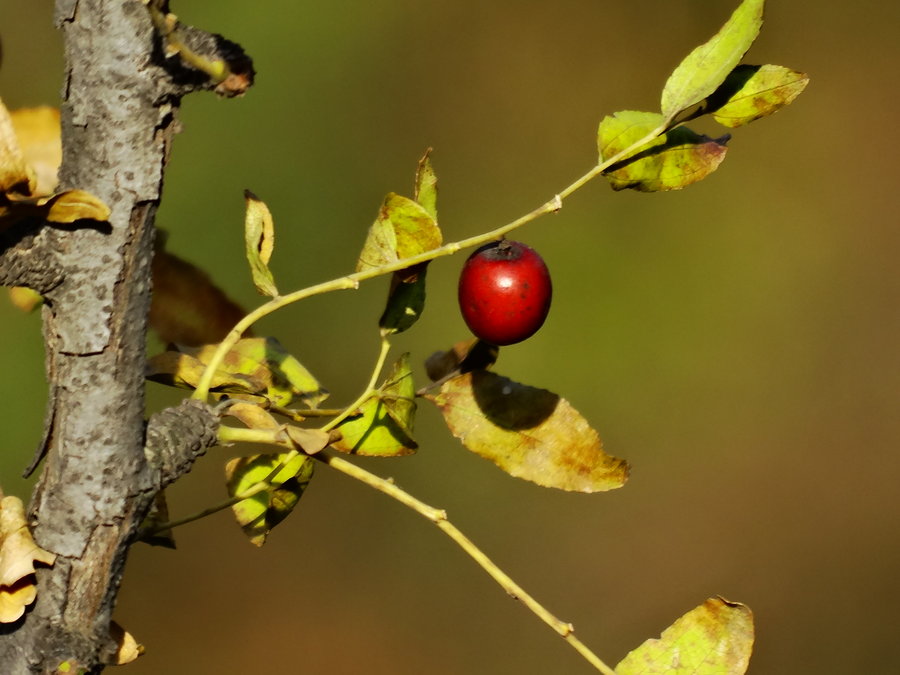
402	229
708	65
383	427
529	433
751	92
257	515
426	185
669	162
623	129
259	237
715	638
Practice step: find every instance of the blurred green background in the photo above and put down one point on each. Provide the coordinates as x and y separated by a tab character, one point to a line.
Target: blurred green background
737	342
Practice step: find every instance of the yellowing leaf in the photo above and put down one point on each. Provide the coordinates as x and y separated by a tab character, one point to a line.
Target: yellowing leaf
259	366
707	66
72	205
18	556
402	229
25	299
751	92
184	370
38	132
15	174
257	515
252	416
715	638
669	162
384	426
426	185
529	433
127	648
187	308
259	237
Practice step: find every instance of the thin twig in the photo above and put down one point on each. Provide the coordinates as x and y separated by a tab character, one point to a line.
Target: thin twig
351	281
439	518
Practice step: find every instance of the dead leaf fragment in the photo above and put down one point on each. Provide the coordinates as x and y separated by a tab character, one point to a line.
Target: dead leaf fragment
18	555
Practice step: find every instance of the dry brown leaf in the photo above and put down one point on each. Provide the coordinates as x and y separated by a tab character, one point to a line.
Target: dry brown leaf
187	307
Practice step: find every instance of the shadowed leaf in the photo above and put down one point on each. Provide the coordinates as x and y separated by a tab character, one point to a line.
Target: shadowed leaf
383	427
669	162
707	66
406	300
187	308
752	92
260	513
529	433
259	237
716	638
259	366
127	648
463	357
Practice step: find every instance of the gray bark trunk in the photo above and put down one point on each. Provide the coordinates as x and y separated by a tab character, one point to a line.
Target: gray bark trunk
102	469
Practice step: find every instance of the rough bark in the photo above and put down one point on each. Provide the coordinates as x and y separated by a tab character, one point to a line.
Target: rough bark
103	465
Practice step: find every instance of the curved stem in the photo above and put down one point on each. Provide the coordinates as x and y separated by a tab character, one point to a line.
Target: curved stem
439	518
351	281
367	394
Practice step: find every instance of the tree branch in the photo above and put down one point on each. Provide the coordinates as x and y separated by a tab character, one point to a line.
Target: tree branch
118	120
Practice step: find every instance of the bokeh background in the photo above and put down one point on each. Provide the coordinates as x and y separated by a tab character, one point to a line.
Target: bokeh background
737	341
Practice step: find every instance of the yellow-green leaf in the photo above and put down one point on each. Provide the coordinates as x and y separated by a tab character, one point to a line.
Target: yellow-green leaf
258	514
715	638
529	433
751	92
259	237
25	299
402	229
669	162
184	370
707	66
426	185
383	427
266	361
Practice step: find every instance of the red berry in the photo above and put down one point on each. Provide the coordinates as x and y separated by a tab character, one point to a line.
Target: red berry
504	292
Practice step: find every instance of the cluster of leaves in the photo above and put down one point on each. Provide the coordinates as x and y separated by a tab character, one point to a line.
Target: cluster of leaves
528	432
